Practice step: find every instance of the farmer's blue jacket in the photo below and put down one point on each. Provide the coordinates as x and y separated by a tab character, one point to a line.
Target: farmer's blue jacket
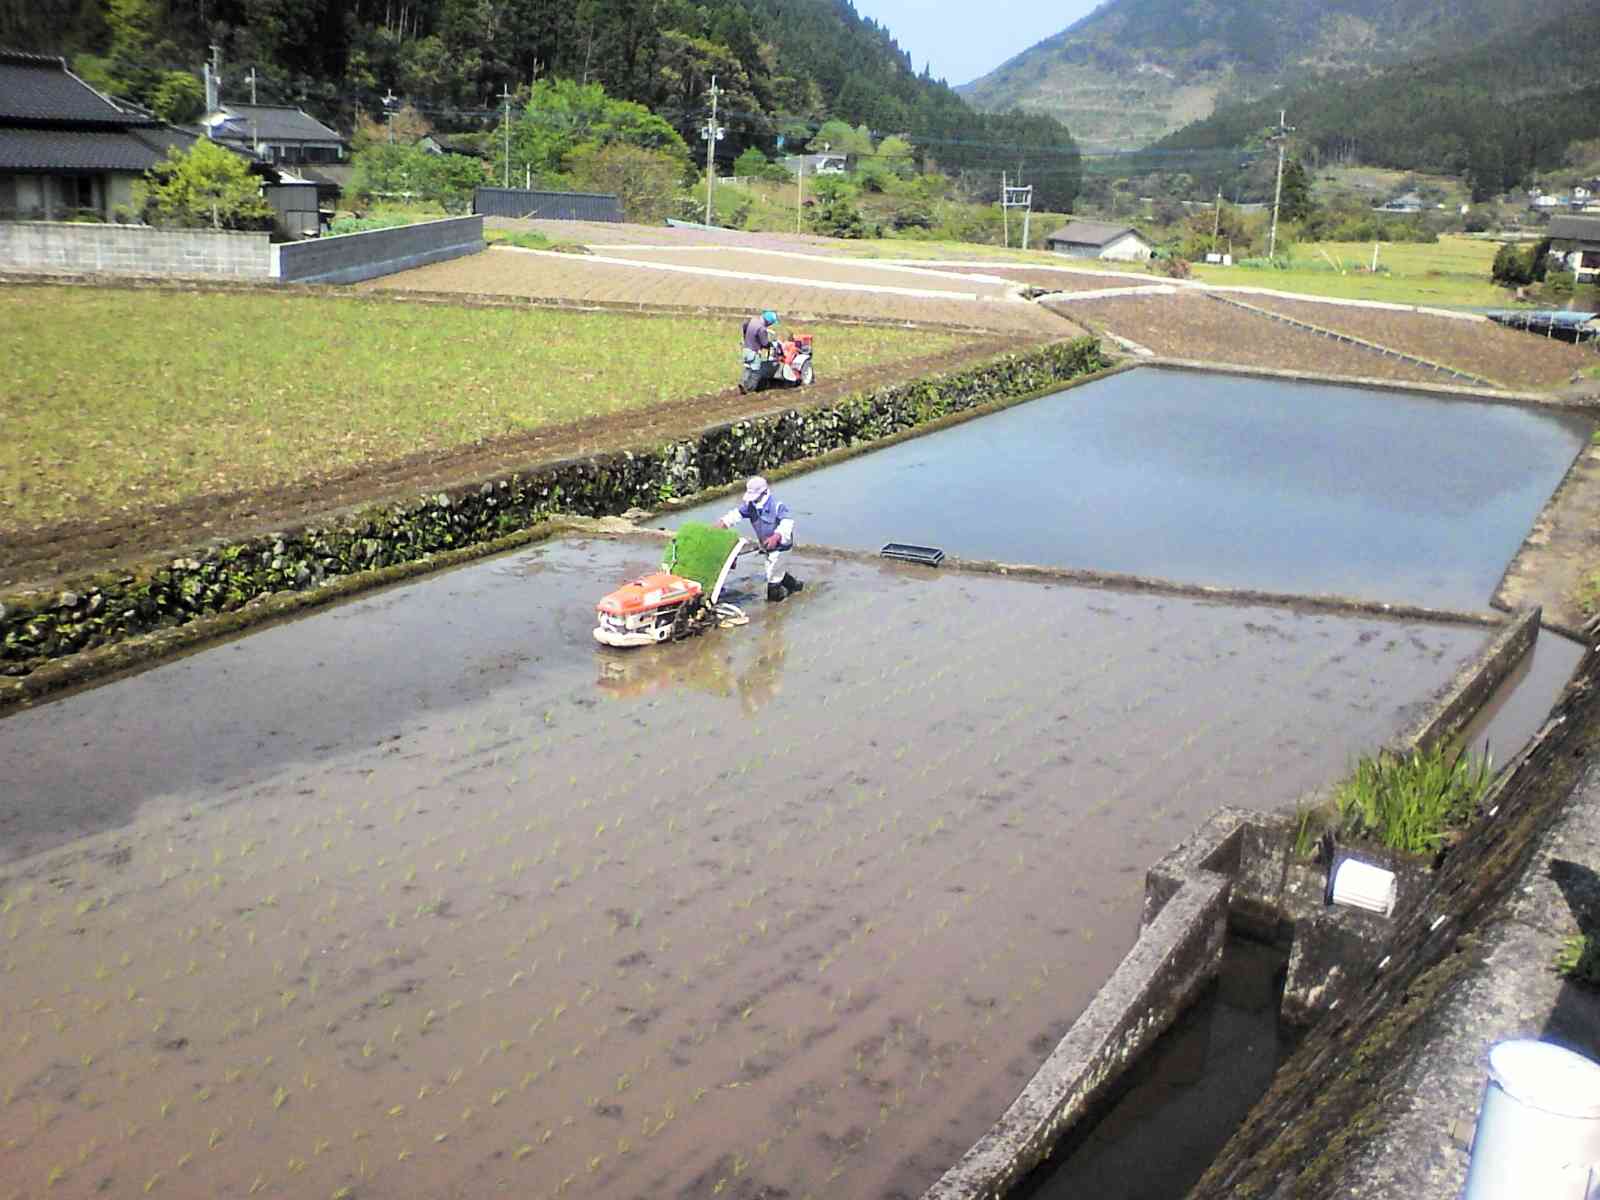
765	514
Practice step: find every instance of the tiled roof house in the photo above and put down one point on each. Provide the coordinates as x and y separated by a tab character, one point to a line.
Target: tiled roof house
277	133
64	147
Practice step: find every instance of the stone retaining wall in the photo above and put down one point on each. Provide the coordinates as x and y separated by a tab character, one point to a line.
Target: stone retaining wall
37	628
66	247
134	250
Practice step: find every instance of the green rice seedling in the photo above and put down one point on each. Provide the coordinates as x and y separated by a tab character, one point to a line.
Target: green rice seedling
1410	803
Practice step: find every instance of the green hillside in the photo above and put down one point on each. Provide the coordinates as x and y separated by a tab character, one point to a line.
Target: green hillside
785	66
1491	115
1135	70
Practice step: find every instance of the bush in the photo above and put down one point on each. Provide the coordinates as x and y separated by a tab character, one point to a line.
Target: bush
206	186
835	213
1513	267
751	162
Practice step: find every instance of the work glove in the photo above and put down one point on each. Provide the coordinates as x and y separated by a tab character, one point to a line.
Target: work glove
773	540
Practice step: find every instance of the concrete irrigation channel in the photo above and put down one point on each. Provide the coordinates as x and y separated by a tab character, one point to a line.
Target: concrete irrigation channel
426	895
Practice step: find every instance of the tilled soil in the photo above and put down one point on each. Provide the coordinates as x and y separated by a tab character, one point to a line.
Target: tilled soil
575	277
1509	357
46	554
1197	327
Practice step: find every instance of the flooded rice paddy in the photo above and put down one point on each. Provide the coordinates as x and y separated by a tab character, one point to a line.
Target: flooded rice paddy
427	896
1215	479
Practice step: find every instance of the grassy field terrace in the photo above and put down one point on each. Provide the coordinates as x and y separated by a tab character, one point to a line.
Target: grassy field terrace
115	399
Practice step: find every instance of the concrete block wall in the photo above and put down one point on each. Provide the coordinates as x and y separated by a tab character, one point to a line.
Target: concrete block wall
352	257
133	250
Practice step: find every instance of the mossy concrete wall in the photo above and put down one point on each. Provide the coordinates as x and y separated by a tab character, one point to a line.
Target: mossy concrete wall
37	628
1332	1103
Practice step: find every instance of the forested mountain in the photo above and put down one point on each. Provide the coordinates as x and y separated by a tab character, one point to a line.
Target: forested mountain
784	66
1135	70
1491	115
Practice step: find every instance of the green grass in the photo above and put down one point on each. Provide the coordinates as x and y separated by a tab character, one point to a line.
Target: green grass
1579	960
1411	803
512	237
1454	273
111	399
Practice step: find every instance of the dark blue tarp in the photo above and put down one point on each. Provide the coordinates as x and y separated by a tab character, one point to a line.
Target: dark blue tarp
548	206
1559	323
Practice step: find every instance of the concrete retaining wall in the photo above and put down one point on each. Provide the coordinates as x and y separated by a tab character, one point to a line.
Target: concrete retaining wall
352	257
548	206
1178	952
134	250
1475	683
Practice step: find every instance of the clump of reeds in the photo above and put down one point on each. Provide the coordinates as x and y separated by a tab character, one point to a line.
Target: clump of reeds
1411	802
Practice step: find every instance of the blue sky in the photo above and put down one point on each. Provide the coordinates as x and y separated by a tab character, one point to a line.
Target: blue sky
964	39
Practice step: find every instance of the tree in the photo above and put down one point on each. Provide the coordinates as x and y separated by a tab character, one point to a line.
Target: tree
562	115
207	186
644	181
750	162
412	172
835	213
896	154
1296	204
1513	267
178	98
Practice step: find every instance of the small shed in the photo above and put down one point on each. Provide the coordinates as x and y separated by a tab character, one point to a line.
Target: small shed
1100	239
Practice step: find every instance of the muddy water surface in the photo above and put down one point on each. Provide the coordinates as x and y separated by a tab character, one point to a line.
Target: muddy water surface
427	896
1217	479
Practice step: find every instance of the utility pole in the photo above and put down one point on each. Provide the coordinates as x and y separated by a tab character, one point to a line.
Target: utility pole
252	85
1216	224
1014	195
505	99
1281	136
711	133
1005	223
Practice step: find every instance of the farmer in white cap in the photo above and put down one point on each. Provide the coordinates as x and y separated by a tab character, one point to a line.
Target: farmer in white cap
774	528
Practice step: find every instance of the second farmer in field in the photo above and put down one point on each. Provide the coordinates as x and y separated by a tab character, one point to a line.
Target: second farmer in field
774	529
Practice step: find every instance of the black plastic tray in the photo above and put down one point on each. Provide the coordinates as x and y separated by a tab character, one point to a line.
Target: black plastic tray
928	556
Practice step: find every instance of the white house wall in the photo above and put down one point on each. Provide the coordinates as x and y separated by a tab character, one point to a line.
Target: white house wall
1128	248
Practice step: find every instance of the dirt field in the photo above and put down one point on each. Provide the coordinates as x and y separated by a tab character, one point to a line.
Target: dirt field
510	272
1193	326
1516	360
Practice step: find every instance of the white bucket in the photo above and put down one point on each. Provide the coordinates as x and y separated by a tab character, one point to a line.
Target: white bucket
1539	1126
1356	884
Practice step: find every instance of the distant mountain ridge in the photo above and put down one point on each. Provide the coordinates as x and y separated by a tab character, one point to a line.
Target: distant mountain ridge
1133	71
